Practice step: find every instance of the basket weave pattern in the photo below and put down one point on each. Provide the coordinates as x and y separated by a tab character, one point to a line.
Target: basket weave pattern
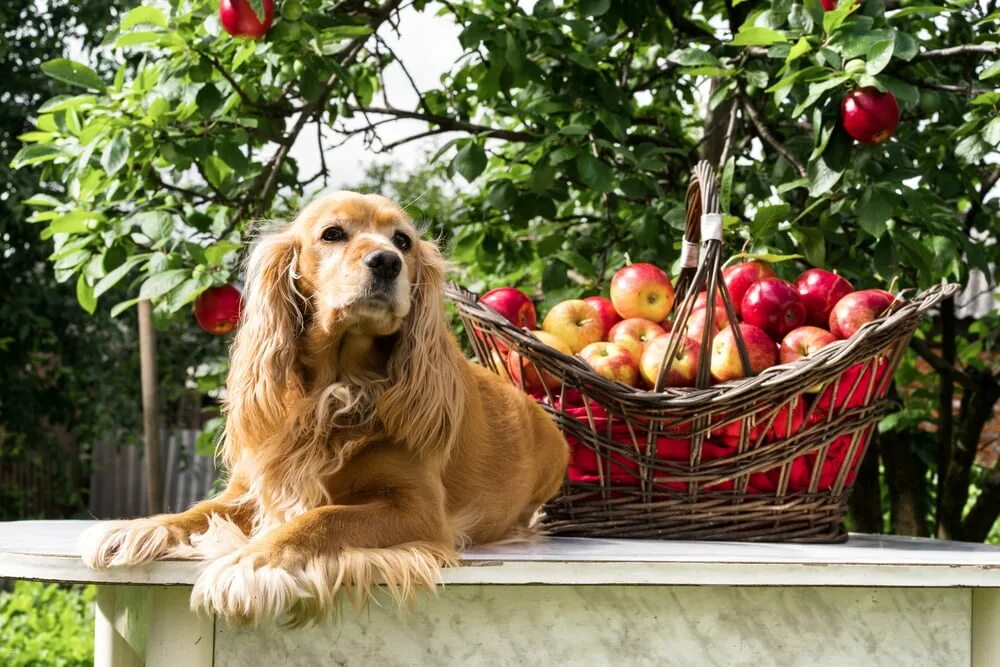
766	458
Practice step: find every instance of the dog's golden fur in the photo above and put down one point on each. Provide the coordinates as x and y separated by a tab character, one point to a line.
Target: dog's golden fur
363	448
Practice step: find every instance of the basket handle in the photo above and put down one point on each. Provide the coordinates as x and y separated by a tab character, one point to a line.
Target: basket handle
703	223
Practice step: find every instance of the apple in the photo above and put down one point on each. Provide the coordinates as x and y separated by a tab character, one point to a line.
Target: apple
701	301
576	322
604	308
740	277
828	5
773	305
857	309
726	364
524	373
612	361
820	291
512	304
853	388
869	115
803	341
642	290
239	19
696	322
683	371
634	333
217	309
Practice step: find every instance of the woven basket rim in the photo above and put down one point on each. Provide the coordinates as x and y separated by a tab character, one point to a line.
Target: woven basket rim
832	356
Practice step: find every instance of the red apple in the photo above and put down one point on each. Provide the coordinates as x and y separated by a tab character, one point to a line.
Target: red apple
828	5
701	301
803	341
512	304
611	361
533	381
683	371
740	277
642	290
634	333
726	364
696	322
217	309
869	115
773	305
857	309
576	322
604	308
820	291
239	19
857	385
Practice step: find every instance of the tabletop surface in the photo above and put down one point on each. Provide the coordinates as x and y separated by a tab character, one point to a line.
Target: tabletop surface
47	550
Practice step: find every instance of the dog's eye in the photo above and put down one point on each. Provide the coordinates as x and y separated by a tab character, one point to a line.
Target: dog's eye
401	241
334	234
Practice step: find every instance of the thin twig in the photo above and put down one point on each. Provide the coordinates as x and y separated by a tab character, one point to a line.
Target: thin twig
938	363
766	135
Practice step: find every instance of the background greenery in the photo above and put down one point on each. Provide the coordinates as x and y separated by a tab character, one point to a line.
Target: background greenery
46	624
576	124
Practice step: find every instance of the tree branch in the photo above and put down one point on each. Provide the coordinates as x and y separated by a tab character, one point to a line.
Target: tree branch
451	124
939	364
979	521
963	49
766	135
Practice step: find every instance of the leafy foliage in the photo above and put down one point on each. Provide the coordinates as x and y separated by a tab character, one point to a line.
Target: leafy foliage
46	624
576	124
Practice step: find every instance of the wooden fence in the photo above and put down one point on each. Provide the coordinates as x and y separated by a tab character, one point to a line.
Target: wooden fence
118	477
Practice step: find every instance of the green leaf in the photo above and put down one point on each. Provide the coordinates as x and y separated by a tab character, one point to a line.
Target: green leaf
594	7
124	305
244	54
186	292
34	154
470	161
144	16
593	172
115	154
990	72
769	257
878	57
159	284
692	57
873	212
816	91
258	8
156	225
42	200
835	18
972	149
822	177
502	195
215	253
812	241
765	221
85	294
801	48
208	99
757	36
726	187
75	222
991	133
138	38
73	73
114	276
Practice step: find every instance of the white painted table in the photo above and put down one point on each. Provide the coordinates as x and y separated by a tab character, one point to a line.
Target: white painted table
872	601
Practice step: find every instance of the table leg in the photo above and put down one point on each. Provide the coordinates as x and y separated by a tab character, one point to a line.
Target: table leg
111	649
178	636
985	627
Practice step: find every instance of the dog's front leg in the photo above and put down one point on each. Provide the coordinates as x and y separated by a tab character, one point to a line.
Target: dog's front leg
399	539
137	541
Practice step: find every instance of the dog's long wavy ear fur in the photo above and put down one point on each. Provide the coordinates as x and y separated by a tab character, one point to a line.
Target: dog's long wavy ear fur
263	373
426	395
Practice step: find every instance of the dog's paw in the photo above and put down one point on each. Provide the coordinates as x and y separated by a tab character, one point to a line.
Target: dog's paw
263	581
248	586
124	543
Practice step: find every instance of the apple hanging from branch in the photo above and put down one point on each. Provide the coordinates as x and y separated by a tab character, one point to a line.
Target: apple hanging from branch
217	309
246	19
869	115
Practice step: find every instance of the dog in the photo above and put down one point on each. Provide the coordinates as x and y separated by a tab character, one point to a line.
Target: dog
363	448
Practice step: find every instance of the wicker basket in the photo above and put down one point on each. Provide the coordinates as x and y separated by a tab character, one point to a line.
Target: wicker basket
768	458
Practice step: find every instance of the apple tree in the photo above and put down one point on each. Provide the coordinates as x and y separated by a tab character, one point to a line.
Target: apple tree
576	124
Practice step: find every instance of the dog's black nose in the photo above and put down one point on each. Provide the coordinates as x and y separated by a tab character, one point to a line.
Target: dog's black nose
384	264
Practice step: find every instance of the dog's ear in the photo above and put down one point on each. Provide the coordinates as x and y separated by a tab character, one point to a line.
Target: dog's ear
263	370
426	395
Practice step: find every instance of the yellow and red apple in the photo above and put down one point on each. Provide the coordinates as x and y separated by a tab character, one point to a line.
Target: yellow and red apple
642	290
634	333
611	361
575	322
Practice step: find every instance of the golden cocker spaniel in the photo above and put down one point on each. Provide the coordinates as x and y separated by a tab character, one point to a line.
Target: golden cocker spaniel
363	448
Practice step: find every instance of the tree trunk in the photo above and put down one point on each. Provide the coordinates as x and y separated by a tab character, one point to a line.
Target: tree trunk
976	411
865	503
946	397
984	512
906	477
